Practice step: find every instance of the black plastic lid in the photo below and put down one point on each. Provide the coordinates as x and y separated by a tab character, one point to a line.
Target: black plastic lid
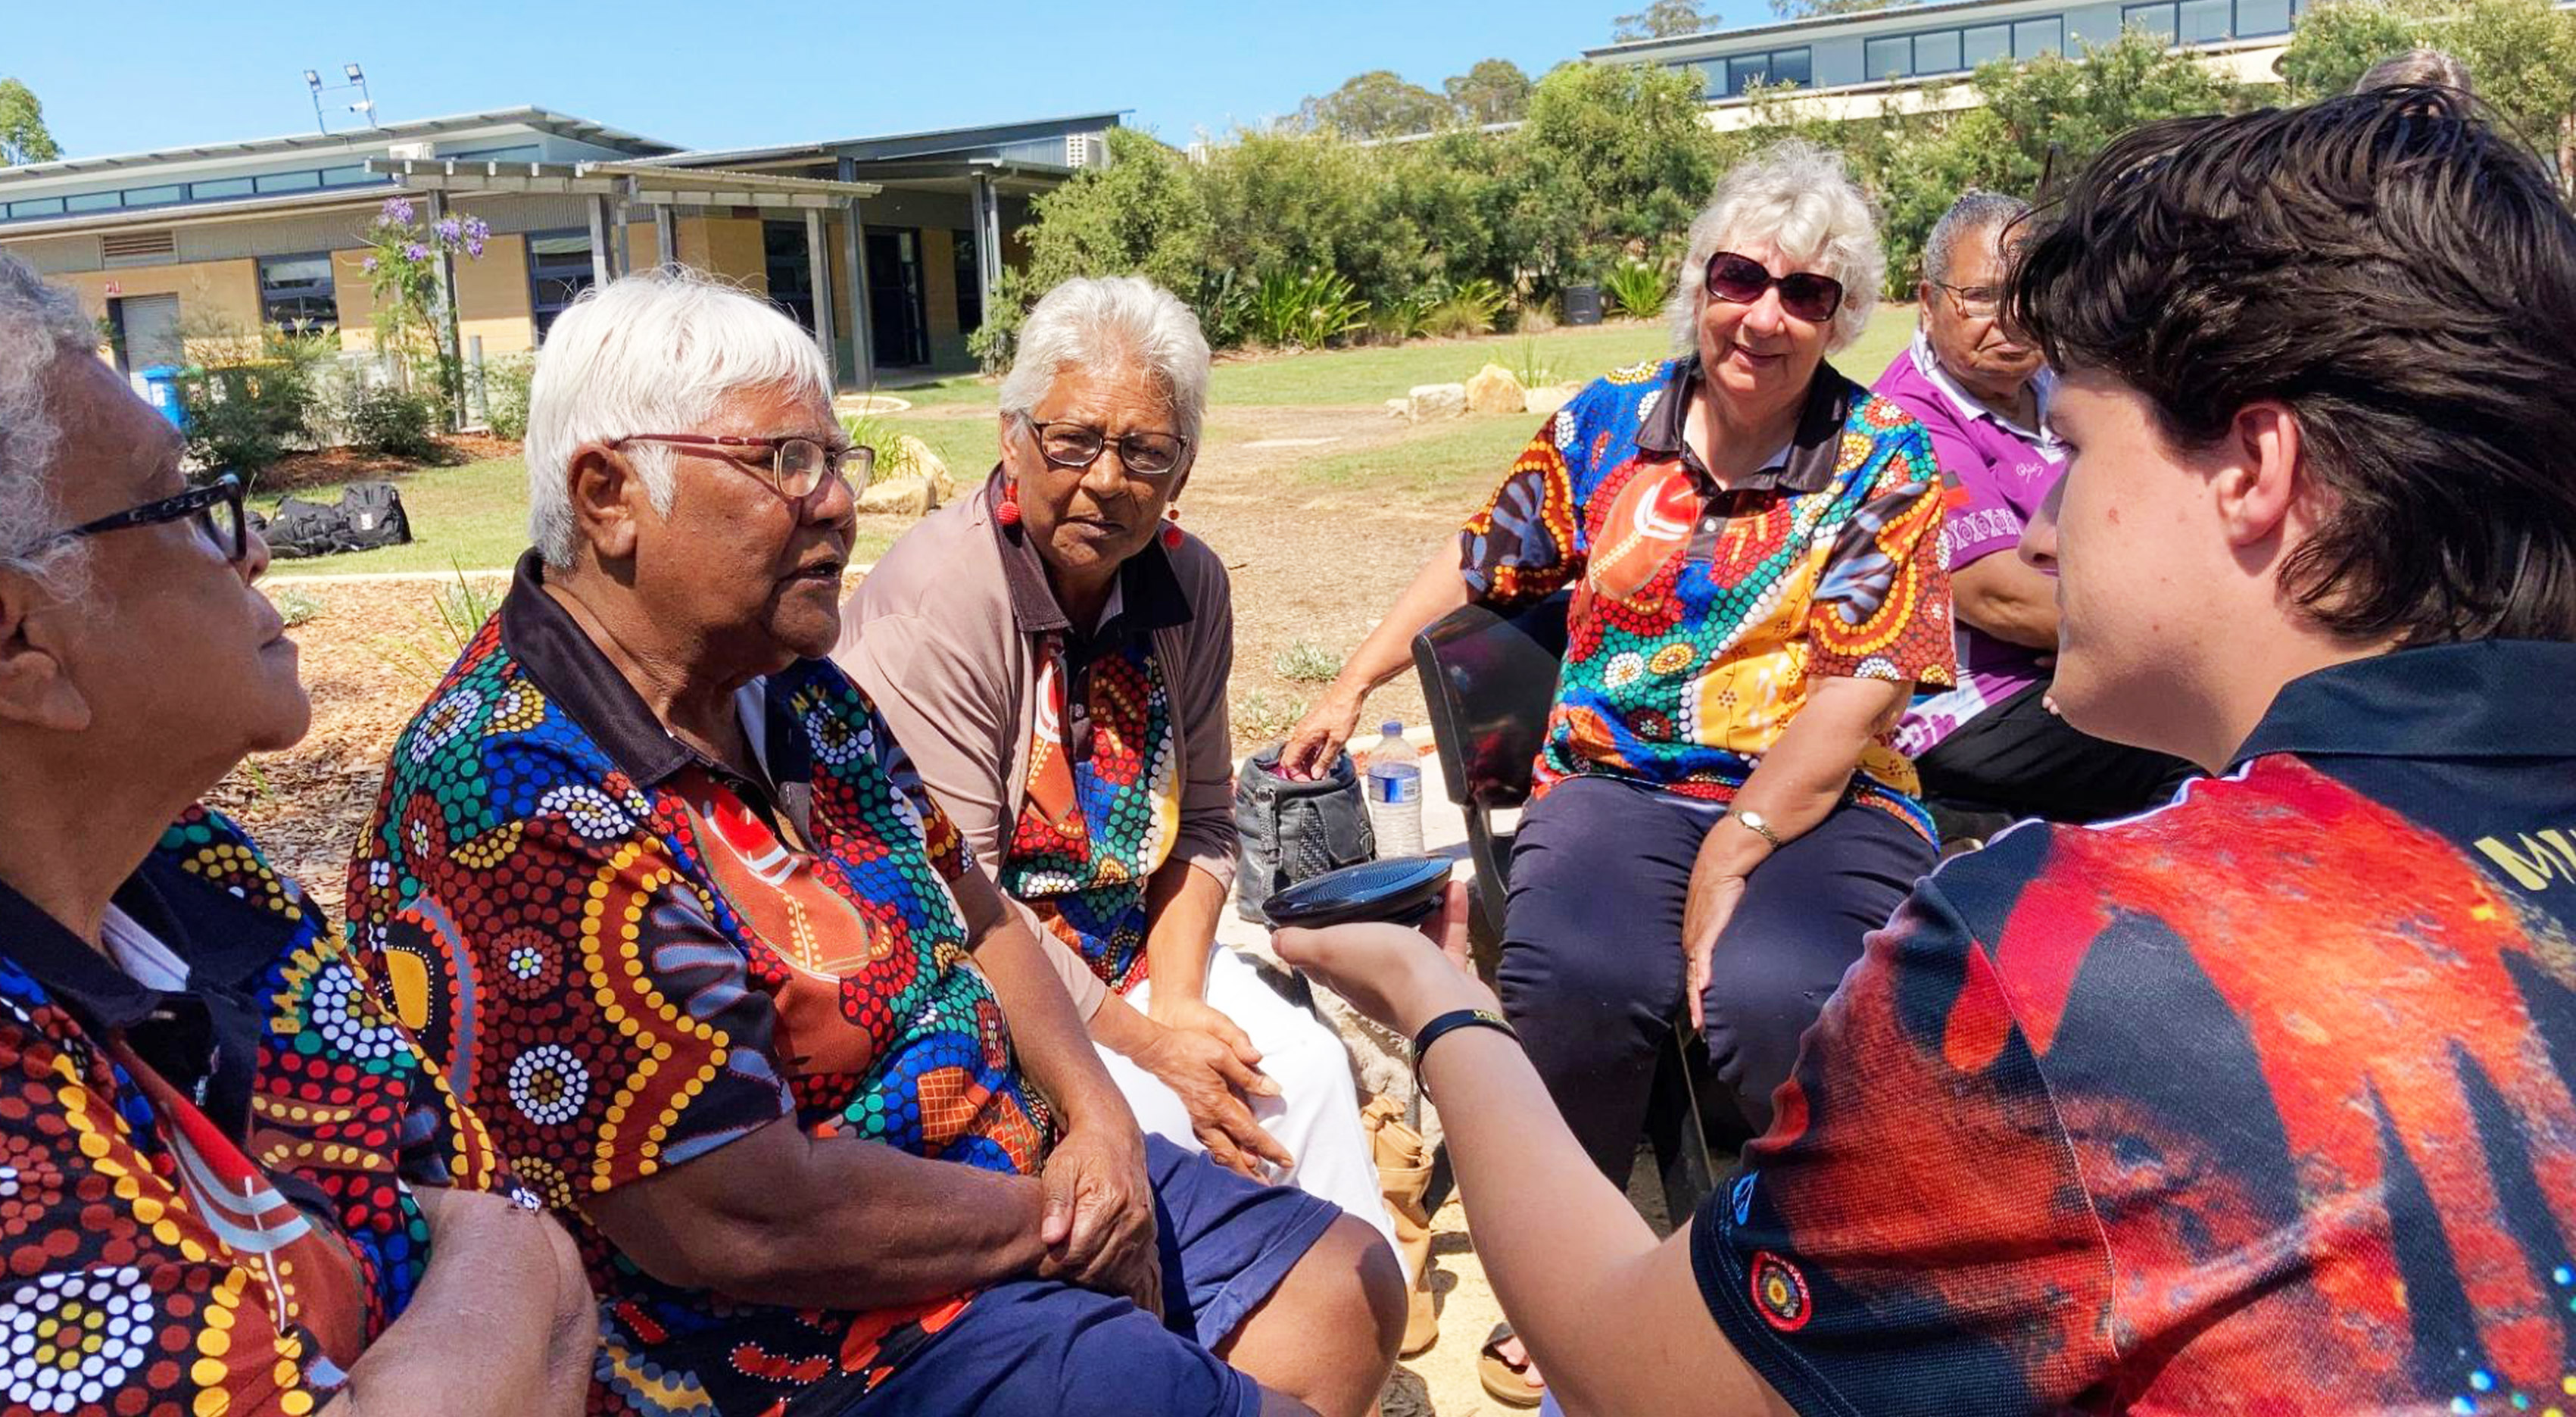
1401	889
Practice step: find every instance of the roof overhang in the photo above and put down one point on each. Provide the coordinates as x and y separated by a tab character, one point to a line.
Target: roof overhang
631	182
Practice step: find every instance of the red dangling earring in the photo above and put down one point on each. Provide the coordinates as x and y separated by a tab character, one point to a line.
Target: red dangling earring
1008	513
1172	527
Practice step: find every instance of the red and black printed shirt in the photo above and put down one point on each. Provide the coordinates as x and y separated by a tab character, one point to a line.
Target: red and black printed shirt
2258	1103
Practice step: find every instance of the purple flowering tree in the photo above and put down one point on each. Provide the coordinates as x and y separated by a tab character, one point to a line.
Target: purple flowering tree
402	272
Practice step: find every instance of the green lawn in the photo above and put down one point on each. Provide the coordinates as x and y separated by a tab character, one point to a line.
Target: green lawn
475	516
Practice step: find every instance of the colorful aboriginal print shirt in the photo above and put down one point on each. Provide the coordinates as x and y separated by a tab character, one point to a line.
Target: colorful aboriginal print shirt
204	1192
627	956
2259	1103
1103	803
1701	614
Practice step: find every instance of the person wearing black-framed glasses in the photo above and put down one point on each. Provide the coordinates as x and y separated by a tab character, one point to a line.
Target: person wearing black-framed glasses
259	1195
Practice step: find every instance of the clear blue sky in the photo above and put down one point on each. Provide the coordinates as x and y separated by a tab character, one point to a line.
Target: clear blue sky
725	73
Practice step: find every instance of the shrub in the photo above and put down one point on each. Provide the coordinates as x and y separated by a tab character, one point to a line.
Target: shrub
1305	311
1636	289
388	420
505	395
1307	662
242	417
1470	309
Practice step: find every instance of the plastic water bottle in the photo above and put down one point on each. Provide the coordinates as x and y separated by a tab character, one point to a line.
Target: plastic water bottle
1395	794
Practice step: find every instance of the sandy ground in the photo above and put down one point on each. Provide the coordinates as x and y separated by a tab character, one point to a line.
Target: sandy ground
1308	565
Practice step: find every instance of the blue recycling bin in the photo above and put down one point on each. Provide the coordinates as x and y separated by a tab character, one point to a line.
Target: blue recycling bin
161	390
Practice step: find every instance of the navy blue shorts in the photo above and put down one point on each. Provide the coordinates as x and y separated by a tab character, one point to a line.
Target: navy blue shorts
1040	1346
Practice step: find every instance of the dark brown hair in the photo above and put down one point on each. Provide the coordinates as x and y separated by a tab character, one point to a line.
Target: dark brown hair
2398	272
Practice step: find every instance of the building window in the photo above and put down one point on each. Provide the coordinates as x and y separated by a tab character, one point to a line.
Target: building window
1937	53
219	188
2033	38
1985	42
2156	20
1889	58
295	292
785	261
558	272
1783	66
970	285
2255	17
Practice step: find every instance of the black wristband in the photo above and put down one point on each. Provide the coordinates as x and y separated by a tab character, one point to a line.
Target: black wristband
1450	1021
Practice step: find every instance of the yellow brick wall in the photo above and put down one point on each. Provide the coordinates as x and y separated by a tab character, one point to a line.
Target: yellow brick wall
728	247
492	298
352	292
217	299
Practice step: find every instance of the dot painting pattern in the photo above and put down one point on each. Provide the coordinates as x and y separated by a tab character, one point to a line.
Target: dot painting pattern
1700	616
152	1265
1092	830
626	976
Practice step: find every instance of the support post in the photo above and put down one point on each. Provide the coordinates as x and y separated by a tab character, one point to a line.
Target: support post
451	374
601	272
666	234
862	330
988	241
818	266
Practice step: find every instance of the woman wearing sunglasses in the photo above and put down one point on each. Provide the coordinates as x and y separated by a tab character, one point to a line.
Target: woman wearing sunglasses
1053	652
1752	542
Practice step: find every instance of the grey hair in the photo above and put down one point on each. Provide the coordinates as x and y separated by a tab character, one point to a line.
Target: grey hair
2416	66
40	322
1974	214
652	352
1106	322
1801	200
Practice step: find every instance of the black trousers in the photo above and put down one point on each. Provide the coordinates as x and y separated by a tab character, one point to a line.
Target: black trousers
2019	760
1592	969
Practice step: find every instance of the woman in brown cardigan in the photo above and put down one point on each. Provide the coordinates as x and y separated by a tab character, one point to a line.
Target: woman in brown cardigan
1053	653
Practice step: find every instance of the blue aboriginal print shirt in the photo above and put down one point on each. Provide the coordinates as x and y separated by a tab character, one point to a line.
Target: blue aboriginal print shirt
1702	614
627	957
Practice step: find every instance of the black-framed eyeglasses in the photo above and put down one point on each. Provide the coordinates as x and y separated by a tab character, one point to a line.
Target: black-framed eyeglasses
1973	299
1740	280
216	509
1079	445
797	464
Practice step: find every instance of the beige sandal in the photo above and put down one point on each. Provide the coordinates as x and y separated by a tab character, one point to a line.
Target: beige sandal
1505	1382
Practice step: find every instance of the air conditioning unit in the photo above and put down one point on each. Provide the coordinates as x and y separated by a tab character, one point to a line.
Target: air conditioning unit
137	248
1084	150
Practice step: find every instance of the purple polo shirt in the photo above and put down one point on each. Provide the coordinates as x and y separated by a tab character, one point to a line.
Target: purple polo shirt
1994	474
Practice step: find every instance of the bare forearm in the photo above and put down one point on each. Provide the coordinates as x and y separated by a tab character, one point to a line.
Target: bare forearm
499	1298
2001	597
1805	775
1182	903
1609	1314
1436	590
1053	1043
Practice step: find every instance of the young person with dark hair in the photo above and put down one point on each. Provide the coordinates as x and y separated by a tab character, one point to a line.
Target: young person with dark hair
2259	1102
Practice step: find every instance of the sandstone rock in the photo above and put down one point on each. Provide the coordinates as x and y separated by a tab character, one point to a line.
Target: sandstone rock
1401	409
1548	398
916	459
1494	390
1429	401
898	497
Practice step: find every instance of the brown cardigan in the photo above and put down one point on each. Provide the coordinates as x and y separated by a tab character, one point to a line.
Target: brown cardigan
942	633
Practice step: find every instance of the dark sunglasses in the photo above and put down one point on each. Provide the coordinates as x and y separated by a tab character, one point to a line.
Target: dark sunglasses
1740	280
216	508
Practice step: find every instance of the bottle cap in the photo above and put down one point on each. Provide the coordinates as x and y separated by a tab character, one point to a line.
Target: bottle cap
1392	727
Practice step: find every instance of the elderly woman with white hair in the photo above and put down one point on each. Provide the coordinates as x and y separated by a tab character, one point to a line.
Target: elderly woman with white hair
1752	540
653	878
1053	651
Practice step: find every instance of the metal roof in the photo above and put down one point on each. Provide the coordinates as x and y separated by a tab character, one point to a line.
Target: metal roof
543	119
927	143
